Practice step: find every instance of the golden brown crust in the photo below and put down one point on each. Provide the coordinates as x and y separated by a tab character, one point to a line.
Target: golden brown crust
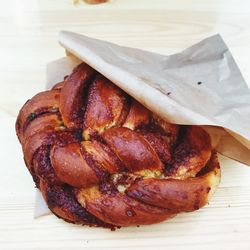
192	154
119	209
178	195
44	102
95	1
47	122
61	201
71	98
132	149
105	106
101	159
71	167
138	116
103	156
33	143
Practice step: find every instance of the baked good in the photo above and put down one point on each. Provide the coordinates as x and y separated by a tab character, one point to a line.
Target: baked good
95	1
91	1
100	158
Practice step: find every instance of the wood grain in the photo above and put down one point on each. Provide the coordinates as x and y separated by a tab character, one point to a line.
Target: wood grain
29	30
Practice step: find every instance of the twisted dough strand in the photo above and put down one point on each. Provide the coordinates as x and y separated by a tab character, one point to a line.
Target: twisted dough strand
102	159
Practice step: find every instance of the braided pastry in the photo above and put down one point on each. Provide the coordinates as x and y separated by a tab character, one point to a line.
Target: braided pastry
102	159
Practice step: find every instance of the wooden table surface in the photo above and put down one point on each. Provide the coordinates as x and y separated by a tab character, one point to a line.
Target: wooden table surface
28	41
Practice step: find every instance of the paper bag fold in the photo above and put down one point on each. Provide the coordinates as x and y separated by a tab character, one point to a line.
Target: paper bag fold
200	86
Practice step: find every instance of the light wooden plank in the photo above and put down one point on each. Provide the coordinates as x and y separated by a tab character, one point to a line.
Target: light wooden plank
28	32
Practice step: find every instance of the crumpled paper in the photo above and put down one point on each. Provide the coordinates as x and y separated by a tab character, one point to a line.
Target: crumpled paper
201	85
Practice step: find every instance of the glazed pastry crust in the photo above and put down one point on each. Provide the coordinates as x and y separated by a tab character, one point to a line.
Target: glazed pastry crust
102	159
